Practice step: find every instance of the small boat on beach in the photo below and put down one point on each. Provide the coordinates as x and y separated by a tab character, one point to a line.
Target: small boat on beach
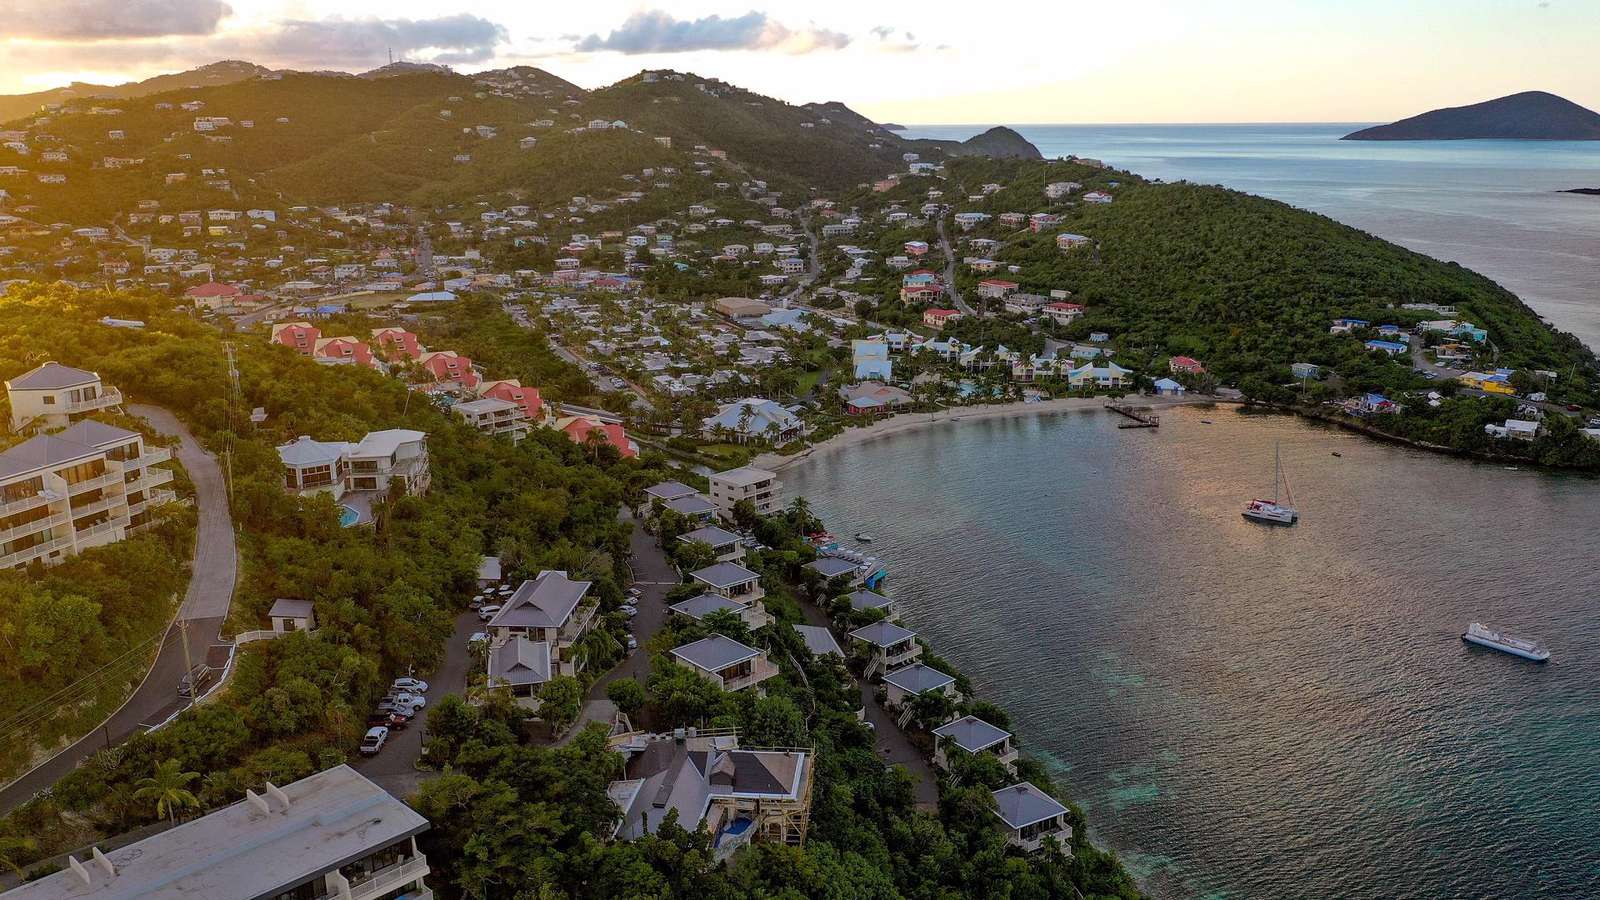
1484	636
1280	509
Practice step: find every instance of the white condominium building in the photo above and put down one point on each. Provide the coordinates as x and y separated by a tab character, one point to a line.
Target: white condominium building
88	485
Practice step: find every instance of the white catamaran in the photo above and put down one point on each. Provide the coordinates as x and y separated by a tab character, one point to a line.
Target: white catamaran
1483	636
1280	509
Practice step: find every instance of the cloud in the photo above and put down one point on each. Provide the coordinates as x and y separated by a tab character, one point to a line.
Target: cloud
888	40
338	42
95	20
655	31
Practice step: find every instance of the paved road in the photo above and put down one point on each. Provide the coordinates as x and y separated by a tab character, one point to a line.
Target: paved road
655	577
950	272
815	267
395	768
200	617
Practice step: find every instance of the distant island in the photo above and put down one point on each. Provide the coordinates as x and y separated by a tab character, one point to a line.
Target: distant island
1528	116
1593	192
893	126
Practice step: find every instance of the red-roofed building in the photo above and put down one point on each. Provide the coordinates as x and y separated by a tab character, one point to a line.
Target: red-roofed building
1063	312
580	427
345	349
996	288
938	318
397	343
1185	364
921	293
213	294
448	367
299	336
511	390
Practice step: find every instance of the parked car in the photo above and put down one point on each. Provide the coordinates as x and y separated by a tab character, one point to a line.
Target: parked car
478	637
633	642
476	603
414	685
387	720
197	678
405	698
388	705
488	612
634	592
376	737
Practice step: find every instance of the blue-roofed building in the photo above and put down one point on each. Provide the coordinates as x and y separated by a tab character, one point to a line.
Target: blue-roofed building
1166	387
1390	347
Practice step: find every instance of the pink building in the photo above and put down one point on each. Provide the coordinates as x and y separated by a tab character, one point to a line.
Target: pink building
299	336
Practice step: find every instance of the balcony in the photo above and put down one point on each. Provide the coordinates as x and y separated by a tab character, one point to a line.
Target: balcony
109	526
760	670
16	531
27	503
387	879
155	477
153	455
107	397
152	500
114	501
37	551
111	477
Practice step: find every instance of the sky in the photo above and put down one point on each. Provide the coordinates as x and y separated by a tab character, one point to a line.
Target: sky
936	61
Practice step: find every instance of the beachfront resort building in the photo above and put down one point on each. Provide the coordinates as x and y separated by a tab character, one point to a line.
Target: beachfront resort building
53	396
754	419
737	794
726	547
973	735
1028	816
759	486
725	662
885	645
88	485
333	834
371	466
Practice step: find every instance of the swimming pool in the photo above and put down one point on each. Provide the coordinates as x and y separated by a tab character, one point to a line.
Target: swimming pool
348	516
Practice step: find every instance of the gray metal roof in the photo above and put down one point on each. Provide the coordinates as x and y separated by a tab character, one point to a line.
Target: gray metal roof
724	575
743	476
831	566
489	568
544	602
97	434
520	661
714	653
692	505
917	678
971	733
42	452
304	451
1022	804
670	490
289	608
819	640
51	376
241	853
868	600
699	606
711	534
882	633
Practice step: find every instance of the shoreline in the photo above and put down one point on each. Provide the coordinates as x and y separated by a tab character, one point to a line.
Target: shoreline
909	421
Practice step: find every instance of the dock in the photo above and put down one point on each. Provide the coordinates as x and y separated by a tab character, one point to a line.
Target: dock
1137	418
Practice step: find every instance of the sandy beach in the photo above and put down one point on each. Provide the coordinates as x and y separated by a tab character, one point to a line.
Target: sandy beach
902	422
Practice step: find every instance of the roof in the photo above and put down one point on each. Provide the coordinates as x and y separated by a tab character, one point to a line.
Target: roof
51	376
724	575
819	640
714	653
831	566
1022	804
304	451
971	733
289	608
489	568
520	661
918	678
883	633
96	434
484	405
868	600
710	534
700	606
544	602
743	476
42	452
692	505
670	490
331	818
385	443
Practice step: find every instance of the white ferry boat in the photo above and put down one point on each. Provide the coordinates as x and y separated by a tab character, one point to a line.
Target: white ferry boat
1484	636
1275	511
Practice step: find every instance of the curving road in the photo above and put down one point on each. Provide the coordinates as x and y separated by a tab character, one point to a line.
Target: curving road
950	272
200	617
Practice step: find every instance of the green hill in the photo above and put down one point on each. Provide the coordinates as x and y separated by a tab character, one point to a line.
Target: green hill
225	72
1528	116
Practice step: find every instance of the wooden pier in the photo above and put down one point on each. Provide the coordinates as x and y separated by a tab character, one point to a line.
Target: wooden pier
1137	418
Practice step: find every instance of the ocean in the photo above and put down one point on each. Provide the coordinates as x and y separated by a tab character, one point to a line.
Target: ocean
1254	712
1493	206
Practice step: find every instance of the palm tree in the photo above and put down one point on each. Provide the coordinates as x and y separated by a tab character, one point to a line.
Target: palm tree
169	788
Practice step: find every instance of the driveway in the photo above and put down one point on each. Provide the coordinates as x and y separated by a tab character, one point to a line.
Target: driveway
200	618
395	767
654	576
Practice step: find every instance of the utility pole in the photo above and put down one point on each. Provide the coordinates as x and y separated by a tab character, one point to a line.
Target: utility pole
188	664
234	396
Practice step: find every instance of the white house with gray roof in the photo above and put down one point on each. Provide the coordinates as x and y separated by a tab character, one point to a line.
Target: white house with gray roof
730	580
521	667
913	681
53	395
1029	815
333	834
861	601
887	645
761	487
755	615
726	546
85	486
669	490
725	662
830	567
754	419
975	736
372	465
551	609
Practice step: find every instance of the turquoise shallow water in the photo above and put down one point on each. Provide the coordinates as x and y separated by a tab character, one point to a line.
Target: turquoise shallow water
1254	712
1493	206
